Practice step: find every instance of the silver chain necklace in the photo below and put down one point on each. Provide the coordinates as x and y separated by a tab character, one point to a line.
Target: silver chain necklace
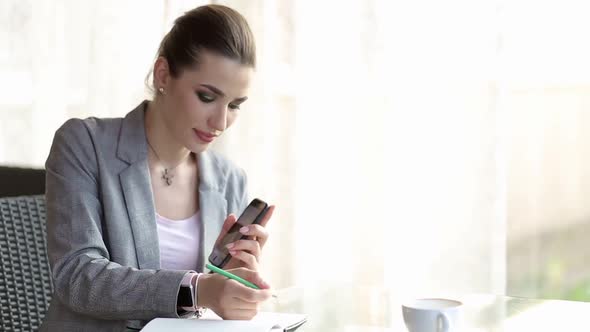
167	173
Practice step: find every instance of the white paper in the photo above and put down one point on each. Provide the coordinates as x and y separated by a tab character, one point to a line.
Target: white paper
263	322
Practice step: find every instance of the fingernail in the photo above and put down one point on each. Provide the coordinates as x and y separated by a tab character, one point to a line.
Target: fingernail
232	252
244	230
229	245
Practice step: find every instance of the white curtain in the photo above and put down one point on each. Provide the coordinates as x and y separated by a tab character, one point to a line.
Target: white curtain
547	102
425	146
397	155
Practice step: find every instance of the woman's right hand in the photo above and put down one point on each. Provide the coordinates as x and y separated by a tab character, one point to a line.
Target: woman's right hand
230	299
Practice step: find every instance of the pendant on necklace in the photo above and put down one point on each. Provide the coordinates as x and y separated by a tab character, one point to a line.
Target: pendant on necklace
167	176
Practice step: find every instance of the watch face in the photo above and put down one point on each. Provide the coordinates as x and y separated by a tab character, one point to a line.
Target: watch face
185	297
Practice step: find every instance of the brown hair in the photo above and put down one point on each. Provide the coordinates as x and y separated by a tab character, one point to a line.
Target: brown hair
215	28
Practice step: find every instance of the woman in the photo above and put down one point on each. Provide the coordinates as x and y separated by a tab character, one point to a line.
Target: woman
134	205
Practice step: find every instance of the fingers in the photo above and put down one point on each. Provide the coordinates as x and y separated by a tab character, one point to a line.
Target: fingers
252	276
250	261
243	304
251	246
247	294
247	252
255	232
237	301
228	223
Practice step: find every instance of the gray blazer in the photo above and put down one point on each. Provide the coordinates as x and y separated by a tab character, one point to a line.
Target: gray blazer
101	225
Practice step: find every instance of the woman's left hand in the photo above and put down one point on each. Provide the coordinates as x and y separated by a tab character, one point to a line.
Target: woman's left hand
246	252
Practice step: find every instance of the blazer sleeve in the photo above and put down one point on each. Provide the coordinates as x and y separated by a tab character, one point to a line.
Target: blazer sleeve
85	280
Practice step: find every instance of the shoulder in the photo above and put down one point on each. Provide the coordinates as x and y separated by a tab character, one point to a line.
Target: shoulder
91	127
78	140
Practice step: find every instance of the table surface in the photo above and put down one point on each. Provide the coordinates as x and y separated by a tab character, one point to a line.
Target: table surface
370	309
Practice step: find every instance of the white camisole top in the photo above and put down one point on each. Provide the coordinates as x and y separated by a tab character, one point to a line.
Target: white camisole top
179	242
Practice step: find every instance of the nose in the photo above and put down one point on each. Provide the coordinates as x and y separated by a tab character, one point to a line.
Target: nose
218	120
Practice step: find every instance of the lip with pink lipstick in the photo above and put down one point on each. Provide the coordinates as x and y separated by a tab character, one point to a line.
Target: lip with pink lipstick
204	136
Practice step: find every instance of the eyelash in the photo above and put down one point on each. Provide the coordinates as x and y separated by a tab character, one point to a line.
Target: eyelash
206	98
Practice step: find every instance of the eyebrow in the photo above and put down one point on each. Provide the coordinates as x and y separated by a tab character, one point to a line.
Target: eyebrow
219	92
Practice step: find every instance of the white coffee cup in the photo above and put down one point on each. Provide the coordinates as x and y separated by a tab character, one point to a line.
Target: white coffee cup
432	315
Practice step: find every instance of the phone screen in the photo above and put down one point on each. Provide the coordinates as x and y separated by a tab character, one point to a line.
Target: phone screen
251	215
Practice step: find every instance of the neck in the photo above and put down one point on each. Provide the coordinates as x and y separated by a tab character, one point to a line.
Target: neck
168	150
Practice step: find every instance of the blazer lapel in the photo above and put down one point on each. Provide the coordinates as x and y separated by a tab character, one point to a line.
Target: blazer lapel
137	189
213	205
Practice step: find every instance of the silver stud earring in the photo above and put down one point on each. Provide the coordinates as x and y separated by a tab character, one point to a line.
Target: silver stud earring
161	89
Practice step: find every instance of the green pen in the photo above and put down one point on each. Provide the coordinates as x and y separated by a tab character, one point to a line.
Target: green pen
231	276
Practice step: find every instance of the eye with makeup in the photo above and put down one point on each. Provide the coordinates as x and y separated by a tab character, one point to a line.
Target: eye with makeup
208	98
205	97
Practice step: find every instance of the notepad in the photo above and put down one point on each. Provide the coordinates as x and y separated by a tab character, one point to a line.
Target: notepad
263	322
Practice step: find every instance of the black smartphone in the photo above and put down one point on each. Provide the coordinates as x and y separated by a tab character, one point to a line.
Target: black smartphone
253	214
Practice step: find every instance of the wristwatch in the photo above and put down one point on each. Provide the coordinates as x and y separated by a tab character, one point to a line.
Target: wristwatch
187	295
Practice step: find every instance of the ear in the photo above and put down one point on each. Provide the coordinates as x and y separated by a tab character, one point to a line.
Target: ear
161	73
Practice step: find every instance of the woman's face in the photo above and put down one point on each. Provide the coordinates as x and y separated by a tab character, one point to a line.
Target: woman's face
202	103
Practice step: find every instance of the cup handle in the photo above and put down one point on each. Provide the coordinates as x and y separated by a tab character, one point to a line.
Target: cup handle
446	323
